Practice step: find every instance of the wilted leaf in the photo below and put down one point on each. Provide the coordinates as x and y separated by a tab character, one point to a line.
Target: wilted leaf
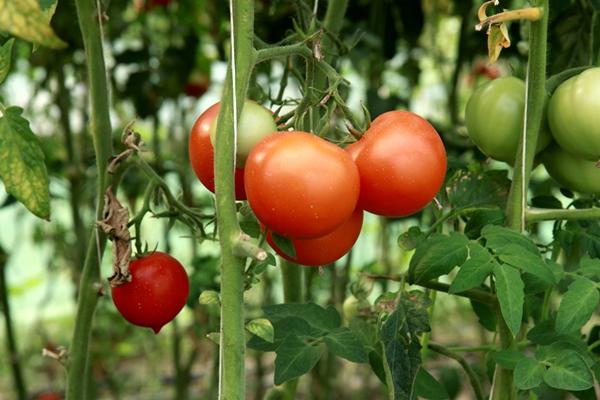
25	19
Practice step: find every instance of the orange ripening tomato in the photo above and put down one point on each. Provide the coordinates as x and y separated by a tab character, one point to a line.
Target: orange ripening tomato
402	164
324	249
299	185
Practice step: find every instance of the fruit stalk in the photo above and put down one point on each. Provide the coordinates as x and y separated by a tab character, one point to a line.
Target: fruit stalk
89	18
232	346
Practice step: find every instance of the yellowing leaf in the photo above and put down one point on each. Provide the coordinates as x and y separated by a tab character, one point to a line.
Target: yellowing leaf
22	167
497	40
25	19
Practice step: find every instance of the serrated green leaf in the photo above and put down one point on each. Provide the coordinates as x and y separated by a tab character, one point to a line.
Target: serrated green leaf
529	373
526	261
427	387
251	228
346	344
590	268
509	289
486	315
295	358
474	271
577	305
324	319
22	167
5	58
262	328
25	19
477	219
437	256
470	189
497	237
411	238
569	372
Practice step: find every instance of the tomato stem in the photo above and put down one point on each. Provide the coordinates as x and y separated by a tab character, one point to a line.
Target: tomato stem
473	378
545	214
88	17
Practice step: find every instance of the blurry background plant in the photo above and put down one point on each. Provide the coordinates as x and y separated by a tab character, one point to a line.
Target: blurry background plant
166	62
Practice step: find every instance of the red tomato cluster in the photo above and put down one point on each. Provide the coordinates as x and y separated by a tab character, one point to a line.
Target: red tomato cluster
313	193
158	290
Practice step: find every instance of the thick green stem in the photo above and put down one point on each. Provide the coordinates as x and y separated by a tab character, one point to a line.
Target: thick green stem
292	277
535	98
545	214
232	349
89	23
11	344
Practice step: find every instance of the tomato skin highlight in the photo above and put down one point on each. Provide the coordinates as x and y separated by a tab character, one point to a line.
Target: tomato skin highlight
494	119
574	114
402	164
202	153
324	249
157	292
573	172
299	185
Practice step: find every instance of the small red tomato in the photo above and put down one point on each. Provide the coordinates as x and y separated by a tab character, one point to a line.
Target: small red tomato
202	153
158	290
402	164
299	185
325	249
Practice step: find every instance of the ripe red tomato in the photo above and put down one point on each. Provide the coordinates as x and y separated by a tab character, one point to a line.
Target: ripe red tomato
325	249
202	153
402	164
158	290
300	185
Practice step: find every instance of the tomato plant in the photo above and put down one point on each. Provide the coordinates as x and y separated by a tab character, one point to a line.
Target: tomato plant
324	249
157	292
571	171
494	118
202	153
299	185
402	164
573	114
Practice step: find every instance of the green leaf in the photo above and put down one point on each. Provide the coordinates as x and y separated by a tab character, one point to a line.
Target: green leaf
507	359
284	244
509	289
485	314
295	358
262	328
437	256
427	387
250	227
22	165
526	261
5	58
474	271
544	334
577	305
399	335
325	319
528	373
344	343
569	372
470	189
411	238
477	219
590	268
496	237
26	20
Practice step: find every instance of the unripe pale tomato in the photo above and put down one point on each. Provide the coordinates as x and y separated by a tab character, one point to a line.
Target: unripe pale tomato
324	249
256	122
158	290
574	114
299	185
494	119
570	171
402	164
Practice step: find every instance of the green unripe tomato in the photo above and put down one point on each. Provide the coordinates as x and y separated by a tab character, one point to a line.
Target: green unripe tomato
574	114
494	119
256	122
571	171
